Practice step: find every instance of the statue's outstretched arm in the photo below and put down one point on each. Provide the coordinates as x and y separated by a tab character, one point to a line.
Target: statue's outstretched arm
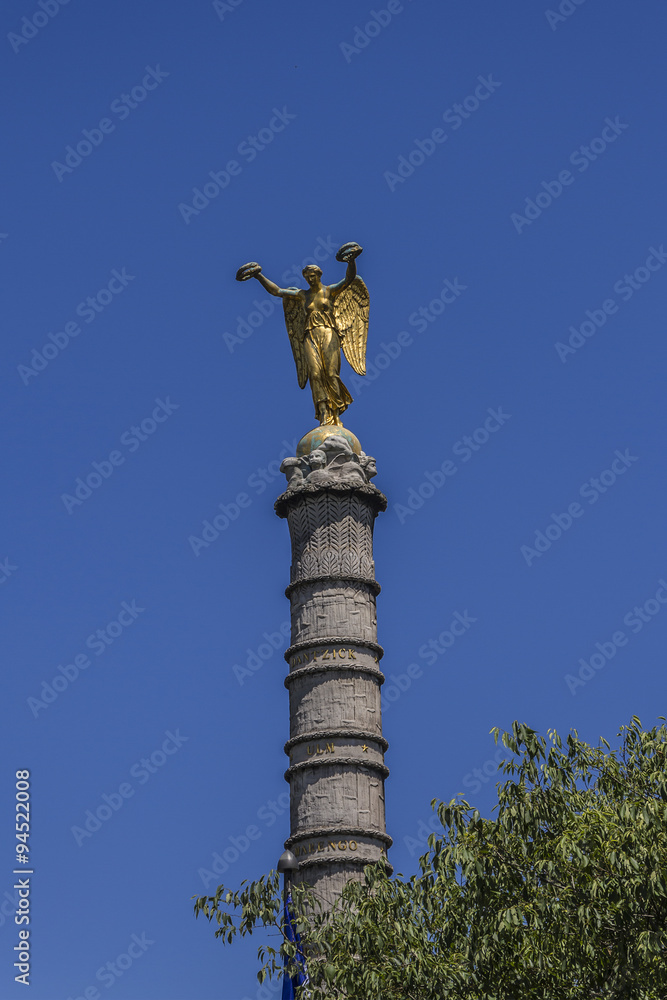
350	275
347	254
253	270
273	289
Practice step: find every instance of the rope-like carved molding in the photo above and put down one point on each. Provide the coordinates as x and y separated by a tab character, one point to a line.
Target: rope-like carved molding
323	668
327	833
330	734
361	861
372	585
336	640
369	494
329	761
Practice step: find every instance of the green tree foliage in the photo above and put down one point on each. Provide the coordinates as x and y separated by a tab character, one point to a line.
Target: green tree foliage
563	894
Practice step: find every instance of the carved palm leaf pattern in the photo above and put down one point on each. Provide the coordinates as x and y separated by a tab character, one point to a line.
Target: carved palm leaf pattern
332	535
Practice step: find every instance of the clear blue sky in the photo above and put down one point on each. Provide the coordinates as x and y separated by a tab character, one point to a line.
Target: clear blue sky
540	200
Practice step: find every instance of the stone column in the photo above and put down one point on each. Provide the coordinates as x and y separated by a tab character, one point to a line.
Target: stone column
336	748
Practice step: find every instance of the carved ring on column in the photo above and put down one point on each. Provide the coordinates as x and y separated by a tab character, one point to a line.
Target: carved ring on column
364	581
322	668
334	833
335	640
332	734
327	761
354	860
370	495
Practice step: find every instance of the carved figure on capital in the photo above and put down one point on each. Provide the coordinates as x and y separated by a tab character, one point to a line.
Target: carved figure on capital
334	461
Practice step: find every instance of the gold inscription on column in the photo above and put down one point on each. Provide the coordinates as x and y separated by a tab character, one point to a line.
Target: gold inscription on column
326	654
329	748
321	846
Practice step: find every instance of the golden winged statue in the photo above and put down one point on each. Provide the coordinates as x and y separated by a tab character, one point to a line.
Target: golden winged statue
320	320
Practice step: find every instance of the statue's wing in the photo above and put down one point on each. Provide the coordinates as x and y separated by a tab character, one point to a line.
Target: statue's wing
351	314
295	321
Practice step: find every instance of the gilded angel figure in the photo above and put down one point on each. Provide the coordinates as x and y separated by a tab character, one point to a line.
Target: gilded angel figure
320	320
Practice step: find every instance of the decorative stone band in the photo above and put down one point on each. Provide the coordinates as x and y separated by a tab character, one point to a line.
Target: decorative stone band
331	734
366	581
369	494
326	761
336	640
349	831
322	668
350	859
342	846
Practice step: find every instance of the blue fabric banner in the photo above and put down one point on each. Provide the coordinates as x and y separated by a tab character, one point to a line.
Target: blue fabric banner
301	978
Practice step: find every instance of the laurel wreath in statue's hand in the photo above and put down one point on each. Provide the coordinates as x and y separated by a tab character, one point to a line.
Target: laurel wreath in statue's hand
248	271
348	252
